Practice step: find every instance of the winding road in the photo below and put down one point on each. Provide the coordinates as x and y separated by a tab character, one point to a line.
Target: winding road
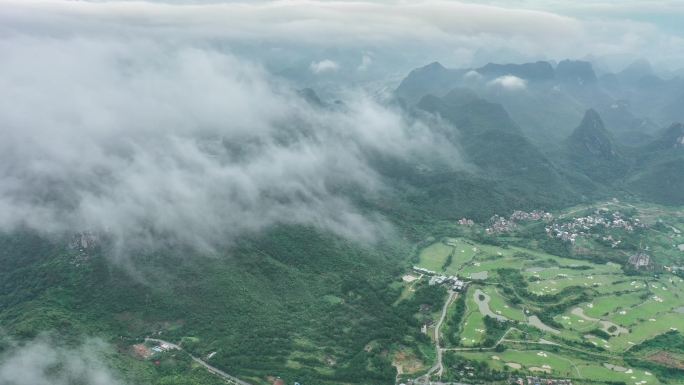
439	367
213	370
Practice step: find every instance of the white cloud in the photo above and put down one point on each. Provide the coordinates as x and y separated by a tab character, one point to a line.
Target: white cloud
152	142
136	119
421	31
472	75
324	66
41	363
366	62
509	82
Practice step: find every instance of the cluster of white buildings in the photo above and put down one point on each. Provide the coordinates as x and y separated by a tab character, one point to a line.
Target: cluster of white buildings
536	215
466	222
499	225
582	226
162	347
559	231
423	271
452	281
613	242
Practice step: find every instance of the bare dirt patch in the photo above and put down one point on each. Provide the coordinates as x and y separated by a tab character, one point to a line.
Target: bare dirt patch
409	278
141	351
667	359
407	362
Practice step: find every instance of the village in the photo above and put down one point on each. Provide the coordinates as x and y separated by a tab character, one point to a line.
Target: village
583	226
499	224
476	271
566	231
589	226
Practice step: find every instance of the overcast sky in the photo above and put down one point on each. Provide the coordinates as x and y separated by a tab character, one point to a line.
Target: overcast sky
394	35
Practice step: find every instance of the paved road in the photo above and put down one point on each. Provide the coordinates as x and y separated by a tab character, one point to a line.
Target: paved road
503	339
439	367
216	371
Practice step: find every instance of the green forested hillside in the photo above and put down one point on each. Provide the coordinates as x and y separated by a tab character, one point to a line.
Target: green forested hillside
302	304
293	303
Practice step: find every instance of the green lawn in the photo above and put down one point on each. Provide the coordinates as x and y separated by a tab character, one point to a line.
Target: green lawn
648	329
435	256
497	303
473	324
562	365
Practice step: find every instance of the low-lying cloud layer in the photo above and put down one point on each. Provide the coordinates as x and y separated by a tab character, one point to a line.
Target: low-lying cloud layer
509	82
150	120
41	363
322	66
148	141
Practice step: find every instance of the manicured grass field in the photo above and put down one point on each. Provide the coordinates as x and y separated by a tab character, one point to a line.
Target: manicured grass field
562	365
576	323
497	304
464	251
473	325
608	305
639	306
435	256
478	265
648	329
659	301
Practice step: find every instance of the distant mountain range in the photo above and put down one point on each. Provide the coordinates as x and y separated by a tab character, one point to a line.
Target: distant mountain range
634	103
560	131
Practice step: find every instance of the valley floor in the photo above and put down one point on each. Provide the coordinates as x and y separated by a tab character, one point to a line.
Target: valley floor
529	312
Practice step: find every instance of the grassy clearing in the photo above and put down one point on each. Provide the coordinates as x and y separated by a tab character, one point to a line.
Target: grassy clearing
452	256
614	304
464	252
499	305
435	256
648	329
562	366
657	303
472	330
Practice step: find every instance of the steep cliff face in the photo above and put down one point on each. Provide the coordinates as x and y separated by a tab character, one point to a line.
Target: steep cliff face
433	78
591	139
576	72
537	71
591	150
672	137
